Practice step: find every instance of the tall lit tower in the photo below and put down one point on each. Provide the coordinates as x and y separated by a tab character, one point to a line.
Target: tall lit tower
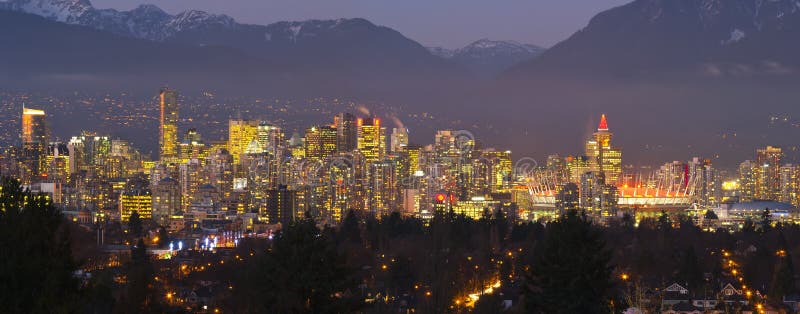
346	132
168	126
241	133
34	143
767	173
603	157
371	139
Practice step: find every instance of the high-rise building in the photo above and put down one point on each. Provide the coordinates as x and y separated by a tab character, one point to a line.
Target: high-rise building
346	132
242	137
168	126
281	206
568	197
166	200
746	181
320	142
34	144
371	139
790	184
603	157
135	197
270	138
399	139
767	173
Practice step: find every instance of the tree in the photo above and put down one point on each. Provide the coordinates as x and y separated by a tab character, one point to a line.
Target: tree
664	223
766	221
628	222
140	293
135	224
163	237
301	273
783	279
711	215
748	226
571	272
690	272
36	272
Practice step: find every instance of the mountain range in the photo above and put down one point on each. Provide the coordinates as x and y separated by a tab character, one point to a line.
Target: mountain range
488	58
700	66
702	37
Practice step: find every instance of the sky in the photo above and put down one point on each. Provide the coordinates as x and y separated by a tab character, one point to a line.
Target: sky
441	23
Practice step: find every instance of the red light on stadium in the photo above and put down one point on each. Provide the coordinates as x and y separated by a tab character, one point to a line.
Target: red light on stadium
440	198
452	198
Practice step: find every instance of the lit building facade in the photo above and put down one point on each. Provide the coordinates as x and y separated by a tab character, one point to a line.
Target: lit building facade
168	124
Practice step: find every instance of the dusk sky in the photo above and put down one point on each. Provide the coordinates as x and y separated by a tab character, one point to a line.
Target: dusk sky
446	23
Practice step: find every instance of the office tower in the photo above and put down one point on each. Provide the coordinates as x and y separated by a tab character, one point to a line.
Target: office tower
568	197
602	156
281	206
382	187
219	171
166	200
192	146
242	136
34	144
320	142
790	184
399	139
371	139
346	132
747	182
270	138
597	198
191	177
135	197
168	126
500	170
767	173
576	166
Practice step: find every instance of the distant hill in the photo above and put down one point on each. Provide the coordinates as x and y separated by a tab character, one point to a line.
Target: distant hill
488	58
710	38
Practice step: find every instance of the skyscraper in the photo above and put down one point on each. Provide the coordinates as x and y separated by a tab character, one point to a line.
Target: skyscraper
399	139
320	142
346	132
34	143
168	126
242	134
767	173
371	139
603	157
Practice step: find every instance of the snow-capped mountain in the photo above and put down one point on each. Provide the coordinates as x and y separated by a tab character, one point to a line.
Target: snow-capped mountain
716	37
144	22
488	57
355	44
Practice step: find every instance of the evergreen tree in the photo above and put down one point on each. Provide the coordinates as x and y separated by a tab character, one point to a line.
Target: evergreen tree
135	224
570	273
690	272
748	226
140	294
36	267
783	279
664	223
350	229
163	237
302	273
710	214
766	221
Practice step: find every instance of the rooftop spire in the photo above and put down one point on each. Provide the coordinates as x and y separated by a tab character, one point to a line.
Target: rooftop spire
603	126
